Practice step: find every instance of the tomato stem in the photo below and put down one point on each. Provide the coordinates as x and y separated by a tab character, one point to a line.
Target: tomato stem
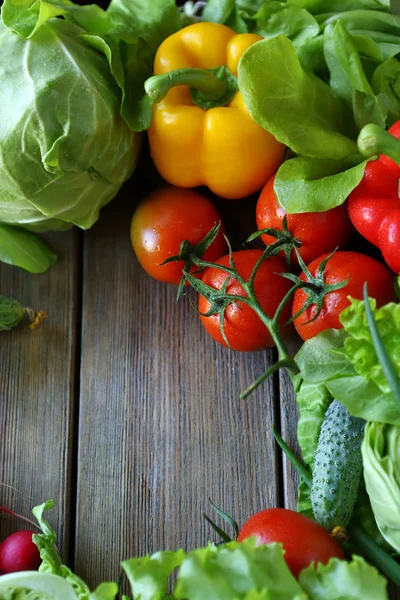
281	364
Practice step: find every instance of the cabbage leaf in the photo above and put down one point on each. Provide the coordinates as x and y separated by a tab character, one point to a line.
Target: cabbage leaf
72	106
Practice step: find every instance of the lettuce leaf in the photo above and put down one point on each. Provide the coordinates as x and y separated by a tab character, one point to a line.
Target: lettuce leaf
52	564
358	346
233	571
381	452
339	580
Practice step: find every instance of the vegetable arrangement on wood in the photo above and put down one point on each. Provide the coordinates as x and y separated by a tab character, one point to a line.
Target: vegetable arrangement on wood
289	100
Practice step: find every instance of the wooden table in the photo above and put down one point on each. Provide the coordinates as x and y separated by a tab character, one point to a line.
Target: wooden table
125	411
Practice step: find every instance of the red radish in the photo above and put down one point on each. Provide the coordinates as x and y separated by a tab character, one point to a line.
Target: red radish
19	553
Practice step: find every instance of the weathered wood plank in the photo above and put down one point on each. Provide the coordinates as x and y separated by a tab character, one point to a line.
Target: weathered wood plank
36	390
161	424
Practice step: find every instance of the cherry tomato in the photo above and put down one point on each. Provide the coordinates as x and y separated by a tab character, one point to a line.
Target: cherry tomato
357	268
319	232
303	540
163	220
19	553
243	328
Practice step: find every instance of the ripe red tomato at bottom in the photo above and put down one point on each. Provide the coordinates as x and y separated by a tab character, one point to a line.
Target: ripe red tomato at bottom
357	268
243	328
319	232
303	540
163	220
19	553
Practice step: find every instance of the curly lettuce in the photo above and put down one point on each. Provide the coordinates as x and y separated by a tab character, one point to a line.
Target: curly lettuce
233	571
359	347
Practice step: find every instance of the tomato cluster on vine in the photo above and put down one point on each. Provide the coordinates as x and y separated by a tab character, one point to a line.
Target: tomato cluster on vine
178	234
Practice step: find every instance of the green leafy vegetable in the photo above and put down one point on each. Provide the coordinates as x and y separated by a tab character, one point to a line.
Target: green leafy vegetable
51	561
19	586
23	249
364	399
316	361
296	23
346	364
240	571
341	580
343	60
386	83
347	77
359	347
73	102
305	184
299	109
381	451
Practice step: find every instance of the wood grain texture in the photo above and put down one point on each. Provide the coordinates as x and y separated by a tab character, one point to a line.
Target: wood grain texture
161	424
36	391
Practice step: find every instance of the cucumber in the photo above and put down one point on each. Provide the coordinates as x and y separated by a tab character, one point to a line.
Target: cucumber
337	467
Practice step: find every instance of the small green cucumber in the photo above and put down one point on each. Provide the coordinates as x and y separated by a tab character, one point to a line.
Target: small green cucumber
337	467
11	313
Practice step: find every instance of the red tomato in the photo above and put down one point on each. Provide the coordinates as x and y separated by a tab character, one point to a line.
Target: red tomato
243	328
319	232
19	553
303	540
163	220
358	269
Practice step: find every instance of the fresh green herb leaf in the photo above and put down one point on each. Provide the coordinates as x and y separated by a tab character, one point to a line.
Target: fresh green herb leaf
364	399
347	77
316	361
343	60
299	109
218	11
305	184
274	18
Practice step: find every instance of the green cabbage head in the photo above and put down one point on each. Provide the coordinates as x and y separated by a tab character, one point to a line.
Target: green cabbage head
65	150
72	106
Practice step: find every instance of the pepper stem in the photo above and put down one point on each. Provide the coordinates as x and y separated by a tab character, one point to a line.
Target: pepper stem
373	140
158	86
208	88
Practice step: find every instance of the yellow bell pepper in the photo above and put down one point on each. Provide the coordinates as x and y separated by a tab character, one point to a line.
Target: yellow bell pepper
222	147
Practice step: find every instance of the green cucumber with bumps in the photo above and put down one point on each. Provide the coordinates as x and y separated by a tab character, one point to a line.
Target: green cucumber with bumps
337	467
